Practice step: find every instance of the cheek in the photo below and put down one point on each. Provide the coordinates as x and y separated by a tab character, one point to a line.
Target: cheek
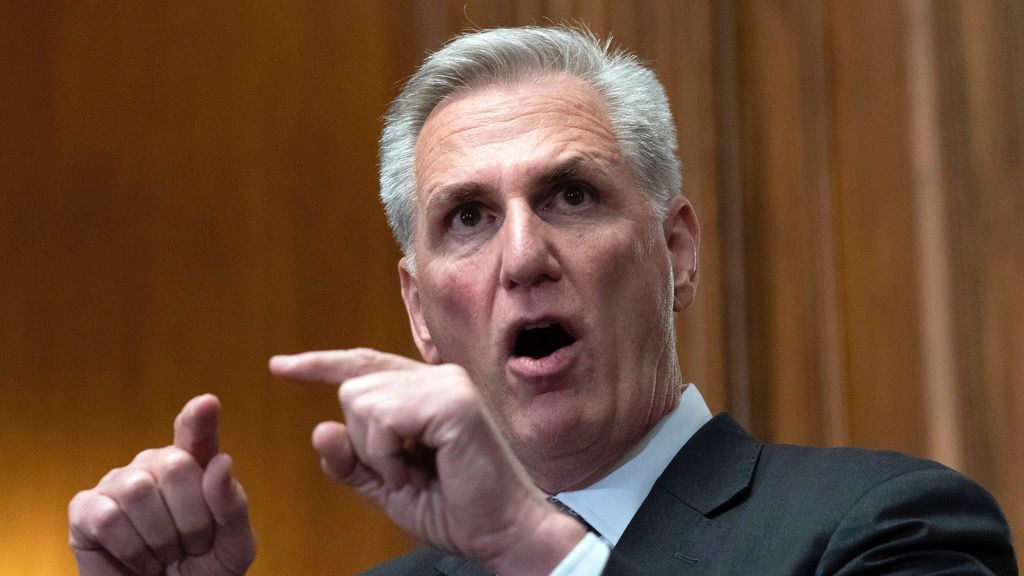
456	310
637	277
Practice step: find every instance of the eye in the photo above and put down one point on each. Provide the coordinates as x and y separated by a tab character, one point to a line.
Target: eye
469	215
573	195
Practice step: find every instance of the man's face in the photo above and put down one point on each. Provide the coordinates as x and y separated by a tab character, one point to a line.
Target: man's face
543	272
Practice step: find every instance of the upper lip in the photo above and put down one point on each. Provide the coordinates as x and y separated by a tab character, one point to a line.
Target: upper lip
537	322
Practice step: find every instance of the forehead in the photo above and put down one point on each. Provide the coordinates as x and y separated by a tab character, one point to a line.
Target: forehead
504	130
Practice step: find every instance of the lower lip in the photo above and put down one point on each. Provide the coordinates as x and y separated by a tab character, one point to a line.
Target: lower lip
546	367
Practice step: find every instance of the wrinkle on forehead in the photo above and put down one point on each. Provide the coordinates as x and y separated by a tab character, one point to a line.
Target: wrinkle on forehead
500	112
521	105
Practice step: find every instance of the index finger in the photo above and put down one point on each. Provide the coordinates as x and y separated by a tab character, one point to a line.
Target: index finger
336	366
195	428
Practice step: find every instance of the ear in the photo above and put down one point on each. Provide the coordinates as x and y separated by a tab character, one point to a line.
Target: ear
682	235
414	308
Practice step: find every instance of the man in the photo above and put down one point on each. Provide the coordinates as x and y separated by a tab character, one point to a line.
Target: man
531	180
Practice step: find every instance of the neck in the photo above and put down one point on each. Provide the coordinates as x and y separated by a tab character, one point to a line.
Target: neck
581	469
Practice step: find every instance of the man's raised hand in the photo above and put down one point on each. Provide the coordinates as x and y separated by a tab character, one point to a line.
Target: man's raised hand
419	441
175	510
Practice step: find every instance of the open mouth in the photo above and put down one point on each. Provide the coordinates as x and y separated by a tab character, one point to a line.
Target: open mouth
541	341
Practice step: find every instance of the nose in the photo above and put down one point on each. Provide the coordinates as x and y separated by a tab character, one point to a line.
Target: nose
528	254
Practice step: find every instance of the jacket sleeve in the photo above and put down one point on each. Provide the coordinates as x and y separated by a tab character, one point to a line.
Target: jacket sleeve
932	521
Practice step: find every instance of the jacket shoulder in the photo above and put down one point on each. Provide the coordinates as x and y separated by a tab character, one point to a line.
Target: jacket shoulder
853	510
853	469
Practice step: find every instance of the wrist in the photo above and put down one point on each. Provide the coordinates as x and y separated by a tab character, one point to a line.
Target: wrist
541	545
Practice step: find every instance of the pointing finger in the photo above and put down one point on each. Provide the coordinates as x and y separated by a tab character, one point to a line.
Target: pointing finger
336	366
195	428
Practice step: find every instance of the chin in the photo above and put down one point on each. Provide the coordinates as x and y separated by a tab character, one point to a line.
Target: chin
554	427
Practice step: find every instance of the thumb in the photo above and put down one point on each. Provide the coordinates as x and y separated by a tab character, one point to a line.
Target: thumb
195	428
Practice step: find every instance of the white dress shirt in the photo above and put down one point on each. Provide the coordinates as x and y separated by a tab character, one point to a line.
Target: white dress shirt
609	504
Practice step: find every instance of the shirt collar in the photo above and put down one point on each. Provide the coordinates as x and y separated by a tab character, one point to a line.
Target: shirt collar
610	503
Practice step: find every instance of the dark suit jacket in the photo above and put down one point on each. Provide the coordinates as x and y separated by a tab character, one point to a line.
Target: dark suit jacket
728	504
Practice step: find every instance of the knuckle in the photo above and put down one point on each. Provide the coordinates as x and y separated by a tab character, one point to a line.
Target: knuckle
78	507
104	515
355	402
453	369
363	355
354	389
345	393
456	374
387	419
176	465
110	477
134	485
458	383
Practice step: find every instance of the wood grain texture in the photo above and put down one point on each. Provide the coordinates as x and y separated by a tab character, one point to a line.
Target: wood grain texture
186	190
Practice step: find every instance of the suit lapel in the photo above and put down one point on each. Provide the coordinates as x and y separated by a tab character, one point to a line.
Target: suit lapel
675	531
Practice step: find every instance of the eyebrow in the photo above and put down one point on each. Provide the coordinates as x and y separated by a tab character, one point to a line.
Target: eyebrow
461	192
561	172
453	195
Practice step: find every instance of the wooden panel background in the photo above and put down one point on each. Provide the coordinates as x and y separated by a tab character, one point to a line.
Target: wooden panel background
186	189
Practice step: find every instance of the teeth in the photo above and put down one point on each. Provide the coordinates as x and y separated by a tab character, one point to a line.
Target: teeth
536	325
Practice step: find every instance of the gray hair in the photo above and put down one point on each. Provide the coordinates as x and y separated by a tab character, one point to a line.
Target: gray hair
637	105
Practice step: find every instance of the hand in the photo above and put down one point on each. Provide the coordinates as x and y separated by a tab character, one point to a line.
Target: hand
173	511
421	444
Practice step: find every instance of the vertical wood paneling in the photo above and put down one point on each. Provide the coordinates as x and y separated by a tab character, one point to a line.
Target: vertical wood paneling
793	320
940	386
982	68
876	222
185	190
190	207
728	171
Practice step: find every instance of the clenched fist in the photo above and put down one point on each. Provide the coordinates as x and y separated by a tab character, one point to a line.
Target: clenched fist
172	511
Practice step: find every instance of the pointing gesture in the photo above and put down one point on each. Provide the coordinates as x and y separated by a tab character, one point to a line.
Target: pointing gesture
419	441
175	510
